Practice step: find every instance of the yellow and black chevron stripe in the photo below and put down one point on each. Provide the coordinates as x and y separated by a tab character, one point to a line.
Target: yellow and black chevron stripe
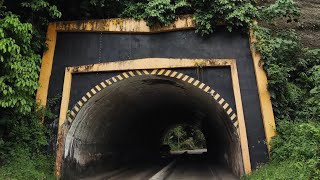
159	72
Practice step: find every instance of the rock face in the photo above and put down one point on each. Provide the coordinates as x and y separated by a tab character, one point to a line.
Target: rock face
309	26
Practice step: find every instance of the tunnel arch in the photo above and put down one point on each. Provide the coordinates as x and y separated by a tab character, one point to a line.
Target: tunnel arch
233	157
159	72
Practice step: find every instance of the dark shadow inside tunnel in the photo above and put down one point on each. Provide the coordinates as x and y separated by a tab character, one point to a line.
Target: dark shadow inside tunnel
124	123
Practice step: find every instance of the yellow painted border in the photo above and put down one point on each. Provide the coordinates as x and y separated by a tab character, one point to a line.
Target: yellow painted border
153	64
119	25
264	96
46	65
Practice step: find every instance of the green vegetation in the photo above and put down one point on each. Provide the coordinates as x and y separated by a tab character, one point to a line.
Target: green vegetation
295	153
22	146
293	72
184	137
23	136
293	81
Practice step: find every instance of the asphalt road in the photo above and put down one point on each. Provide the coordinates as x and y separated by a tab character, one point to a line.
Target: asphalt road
137	173
194	169
186	167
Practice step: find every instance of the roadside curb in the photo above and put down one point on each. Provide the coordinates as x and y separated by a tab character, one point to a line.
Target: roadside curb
164	172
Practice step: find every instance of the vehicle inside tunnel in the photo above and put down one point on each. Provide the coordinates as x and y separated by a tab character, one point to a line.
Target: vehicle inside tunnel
126	123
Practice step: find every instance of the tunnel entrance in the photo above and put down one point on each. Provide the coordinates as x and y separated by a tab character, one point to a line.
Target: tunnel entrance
124	123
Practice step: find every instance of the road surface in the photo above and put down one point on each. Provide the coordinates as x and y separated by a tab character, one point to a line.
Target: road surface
186	167
195	169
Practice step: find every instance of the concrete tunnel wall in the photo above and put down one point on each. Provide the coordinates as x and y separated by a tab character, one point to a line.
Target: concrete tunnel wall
125	123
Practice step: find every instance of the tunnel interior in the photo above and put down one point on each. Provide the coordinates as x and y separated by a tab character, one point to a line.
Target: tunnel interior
125	123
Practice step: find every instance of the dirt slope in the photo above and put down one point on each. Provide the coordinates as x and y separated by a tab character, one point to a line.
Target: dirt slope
309	27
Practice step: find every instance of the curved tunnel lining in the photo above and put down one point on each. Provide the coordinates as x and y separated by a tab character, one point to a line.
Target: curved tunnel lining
168	73
159	72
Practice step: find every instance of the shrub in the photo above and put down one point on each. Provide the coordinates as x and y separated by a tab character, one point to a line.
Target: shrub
23	139
295	153
22	164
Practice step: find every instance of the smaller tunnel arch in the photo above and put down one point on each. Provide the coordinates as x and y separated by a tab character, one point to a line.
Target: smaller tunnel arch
128	112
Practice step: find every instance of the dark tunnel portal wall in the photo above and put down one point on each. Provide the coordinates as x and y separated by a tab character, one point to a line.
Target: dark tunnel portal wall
125	122
74	49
